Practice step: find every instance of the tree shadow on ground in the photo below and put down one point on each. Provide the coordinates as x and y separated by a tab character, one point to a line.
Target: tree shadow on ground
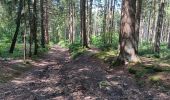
57	77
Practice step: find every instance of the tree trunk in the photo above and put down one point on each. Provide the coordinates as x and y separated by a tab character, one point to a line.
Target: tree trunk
24	33
112	20
159	27
127	35
138	15
83	23
35	27
17	27
87	20
71	21
148	36
104	22
46	22
90	20
42	24
168	32
30	26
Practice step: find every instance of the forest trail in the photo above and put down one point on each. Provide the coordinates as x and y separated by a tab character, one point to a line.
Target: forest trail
58	77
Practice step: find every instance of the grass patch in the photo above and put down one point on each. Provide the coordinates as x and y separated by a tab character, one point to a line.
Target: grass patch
106	55
78	53
63	43
18	51
155	78
76	50
4	51
150	74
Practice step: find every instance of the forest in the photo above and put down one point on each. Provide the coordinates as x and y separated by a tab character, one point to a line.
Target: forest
84	49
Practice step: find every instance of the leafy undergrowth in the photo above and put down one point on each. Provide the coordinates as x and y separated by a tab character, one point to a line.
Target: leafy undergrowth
152	72
63	43
4	51
146	50
19	51
11	69
107	56
76	50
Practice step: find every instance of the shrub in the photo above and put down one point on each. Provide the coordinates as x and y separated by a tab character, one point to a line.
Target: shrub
63	43
76	49
98	42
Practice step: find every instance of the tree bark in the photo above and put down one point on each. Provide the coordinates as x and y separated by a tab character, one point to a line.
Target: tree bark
46	22
71	21
42	24
168	31
159	27
127	35
90	21
17	27
104	22
30	4
35	27
138	16
111	30
24	33
83	22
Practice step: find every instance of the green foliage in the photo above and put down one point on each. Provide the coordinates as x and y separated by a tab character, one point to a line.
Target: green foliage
42	50
141	73
132	70
98	42
105	55
4	50
76	49
155	78
146	49
63	43
104	84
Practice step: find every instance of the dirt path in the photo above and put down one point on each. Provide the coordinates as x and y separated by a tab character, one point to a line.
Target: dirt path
57	77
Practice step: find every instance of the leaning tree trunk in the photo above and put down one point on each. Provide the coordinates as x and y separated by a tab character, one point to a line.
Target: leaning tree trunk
17	27
159	27
127	37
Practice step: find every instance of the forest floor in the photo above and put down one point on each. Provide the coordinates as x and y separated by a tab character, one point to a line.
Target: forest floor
55	76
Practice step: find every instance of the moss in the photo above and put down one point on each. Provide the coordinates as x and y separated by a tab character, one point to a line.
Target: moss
105	55
104	84
78	53
155	78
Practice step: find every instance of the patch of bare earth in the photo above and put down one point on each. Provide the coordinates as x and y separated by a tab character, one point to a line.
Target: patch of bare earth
57	77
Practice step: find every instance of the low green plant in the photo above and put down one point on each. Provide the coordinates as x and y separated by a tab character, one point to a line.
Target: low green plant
63	43
4	50
99	42
76	49
104	84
